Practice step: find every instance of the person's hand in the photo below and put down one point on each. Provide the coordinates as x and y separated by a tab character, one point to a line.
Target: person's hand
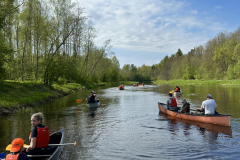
27	150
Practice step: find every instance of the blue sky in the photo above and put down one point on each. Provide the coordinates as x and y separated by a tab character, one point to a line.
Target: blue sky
145	31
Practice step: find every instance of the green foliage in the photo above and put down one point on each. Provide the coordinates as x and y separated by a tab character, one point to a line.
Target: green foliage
179	53
219	74
237	70
189	73
199	82
62	81
15	93
230	72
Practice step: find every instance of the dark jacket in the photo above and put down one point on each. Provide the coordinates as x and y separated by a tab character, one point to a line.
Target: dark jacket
186	108
91	98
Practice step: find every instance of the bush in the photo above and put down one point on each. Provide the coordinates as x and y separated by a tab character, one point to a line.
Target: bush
62	81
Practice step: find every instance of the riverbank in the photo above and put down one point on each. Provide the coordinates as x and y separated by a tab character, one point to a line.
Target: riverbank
15	96
199	82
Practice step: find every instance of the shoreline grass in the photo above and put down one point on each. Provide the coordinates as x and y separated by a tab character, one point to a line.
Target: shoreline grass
17	94
199	82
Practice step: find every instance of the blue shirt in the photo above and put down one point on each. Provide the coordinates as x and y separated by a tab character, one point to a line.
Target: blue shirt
23	156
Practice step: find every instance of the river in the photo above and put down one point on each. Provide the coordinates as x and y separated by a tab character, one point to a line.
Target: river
127	125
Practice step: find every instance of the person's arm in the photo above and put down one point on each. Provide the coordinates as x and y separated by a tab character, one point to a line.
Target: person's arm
202	107
33	139
32	144
168	103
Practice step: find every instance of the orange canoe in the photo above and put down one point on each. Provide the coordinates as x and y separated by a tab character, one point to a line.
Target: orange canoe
221	119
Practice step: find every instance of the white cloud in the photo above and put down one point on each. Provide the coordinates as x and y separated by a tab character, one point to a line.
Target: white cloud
218	7
194	12
150	25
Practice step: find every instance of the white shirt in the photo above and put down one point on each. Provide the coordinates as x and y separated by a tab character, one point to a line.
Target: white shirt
209	106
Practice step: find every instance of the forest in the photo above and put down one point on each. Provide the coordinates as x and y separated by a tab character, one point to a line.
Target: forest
51	42
54	41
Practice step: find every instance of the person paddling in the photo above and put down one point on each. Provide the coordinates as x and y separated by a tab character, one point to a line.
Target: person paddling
177	89
92	98
209	106
16	152
186	106
172	103
39	136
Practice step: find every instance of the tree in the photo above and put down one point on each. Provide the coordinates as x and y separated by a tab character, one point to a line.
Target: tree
179	53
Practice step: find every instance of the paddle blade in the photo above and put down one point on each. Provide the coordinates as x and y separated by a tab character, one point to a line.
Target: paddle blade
171	91
173	117
78	100
8	148
75	143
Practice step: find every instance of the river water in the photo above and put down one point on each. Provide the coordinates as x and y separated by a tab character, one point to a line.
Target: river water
127	125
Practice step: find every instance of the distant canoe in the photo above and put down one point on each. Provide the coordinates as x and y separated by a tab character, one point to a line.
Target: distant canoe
121	88
177	93
221	119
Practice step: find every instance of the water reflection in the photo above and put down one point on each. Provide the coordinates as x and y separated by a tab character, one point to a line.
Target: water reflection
209	132
92	111
126	126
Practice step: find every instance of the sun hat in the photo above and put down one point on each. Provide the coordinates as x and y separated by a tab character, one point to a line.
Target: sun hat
17	144
92	92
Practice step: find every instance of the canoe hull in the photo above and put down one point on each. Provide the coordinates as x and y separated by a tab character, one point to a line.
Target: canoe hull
224	120
177	93
93	105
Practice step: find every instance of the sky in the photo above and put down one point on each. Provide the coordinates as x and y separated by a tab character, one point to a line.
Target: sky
145	31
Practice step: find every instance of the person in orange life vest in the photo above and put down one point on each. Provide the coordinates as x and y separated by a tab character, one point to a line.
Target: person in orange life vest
16	152
39	136
172	103
177	89
186	106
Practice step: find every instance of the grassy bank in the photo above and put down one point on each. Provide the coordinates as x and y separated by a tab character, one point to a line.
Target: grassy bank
200	82
17	95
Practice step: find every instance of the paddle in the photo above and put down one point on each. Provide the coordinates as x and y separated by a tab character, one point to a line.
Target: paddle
78	100
174	116
2	155
8	148
171	91
65	144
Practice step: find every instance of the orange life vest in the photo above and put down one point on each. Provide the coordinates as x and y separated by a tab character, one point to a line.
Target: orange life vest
173	102
12	156
42	137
